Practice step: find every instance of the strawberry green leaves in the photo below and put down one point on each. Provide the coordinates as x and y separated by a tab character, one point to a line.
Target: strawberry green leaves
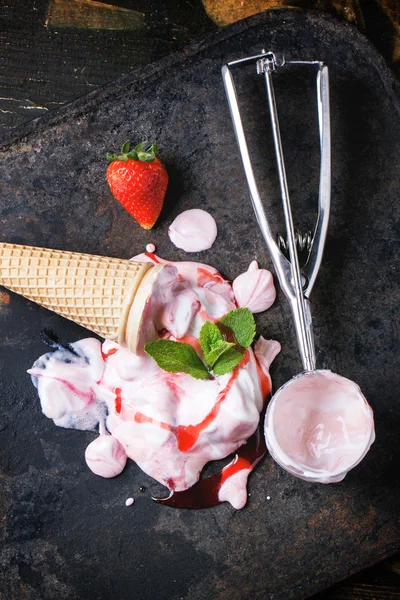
139	152
223	345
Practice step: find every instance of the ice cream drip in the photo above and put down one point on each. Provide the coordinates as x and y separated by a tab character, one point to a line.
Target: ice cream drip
170	424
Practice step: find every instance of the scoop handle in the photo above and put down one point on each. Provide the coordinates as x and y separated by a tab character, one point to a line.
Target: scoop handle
295	283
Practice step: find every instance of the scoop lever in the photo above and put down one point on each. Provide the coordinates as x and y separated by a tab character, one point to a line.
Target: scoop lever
296	283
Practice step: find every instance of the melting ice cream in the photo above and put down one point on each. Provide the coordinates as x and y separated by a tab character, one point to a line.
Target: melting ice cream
171	425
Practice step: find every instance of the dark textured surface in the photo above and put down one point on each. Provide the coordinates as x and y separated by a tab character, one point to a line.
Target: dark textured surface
67	533
45	61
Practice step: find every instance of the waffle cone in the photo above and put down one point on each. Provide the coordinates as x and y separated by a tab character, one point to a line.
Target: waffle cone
94	291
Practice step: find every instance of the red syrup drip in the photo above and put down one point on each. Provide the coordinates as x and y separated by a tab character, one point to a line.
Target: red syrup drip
187	435
118	400
204	493
87	397
204	276
265	381
105	355
153	257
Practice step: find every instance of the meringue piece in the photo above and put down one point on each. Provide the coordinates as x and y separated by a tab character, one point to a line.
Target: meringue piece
319	426
129	501
193	230
254	289
105	456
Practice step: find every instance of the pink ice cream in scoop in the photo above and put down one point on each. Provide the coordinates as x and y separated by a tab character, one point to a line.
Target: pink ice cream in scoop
171	425
319	426
193	230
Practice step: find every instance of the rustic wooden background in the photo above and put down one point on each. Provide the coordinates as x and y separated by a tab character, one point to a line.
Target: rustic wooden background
54	51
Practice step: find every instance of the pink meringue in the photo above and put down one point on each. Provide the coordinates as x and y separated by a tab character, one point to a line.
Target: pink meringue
254	289
193	230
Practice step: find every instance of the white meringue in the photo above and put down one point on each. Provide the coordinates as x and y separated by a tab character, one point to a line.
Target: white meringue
193	230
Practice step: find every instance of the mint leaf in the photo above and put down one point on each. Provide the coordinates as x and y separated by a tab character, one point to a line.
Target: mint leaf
242	323
177	357
212	343
228	361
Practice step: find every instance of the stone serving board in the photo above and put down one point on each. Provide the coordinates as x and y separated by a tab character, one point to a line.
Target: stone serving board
67	534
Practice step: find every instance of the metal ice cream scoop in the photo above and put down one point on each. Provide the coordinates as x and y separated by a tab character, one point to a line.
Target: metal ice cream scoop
321	444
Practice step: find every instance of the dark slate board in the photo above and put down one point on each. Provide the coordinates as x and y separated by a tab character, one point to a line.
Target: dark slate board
67	533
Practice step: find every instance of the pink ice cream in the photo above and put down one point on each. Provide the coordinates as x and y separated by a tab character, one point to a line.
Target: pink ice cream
319	426
105	456
193	230
171	425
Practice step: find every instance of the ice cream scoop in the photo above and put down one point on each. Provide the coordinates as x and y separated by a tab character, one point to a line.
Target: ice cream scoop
318	425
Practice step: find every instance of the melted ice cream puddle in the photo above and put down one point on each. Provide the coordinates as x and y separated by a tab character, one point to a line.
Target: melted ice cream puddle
171	425
319	426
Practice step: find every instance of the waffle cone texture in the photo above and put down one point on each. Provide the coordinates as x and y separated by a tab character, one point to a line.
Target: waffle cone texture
96	292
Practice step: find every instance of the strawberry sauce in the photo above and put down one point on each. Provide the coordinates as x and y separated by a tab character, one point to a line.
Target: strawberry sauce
205	493
118	400
153	257
106	355
187	435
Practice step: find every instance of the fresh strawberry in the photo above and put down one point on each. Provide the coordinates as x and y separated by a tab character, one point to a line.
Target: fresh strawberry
138	180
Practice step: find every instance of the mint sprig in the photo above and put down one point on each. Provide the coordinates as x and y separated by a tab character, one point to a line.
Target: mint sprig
223	345
177	357
213	343
228	361
241	322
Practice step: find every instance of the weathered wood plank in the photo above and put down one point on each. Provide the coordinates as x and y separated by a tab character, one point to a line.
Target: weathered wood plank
88	14
45	65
